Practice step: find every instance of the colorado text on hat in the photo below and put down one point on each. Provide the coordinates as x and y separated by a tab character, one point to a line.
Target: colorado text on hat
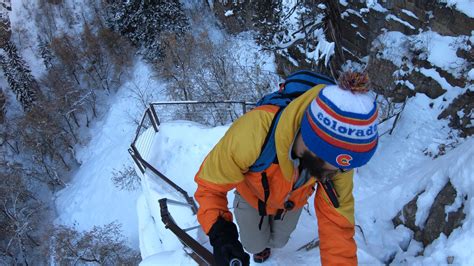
354	128
346	130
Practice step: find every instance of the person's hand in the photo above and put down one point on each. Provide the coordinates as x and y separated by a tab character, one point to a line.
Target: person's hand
224	239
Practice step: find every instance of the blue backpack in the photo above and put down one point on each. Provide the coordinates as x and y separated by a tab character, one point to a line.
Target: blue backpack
295	85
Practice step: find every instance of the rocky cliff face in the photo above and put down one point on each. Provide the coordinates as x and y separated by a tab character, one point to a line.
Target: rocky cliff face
363	32
439	220
364	28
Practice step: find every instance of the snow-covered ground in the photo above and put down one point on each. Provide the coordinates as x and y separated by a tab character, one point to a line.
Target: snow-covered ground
398	172
465	6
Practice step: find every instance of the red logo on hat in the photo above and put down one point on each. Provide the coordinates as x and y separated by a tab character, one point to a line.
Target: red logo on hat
344	159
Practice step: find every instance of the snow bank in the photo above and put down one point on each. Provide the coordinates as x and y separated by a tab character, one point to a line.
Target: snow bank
439	50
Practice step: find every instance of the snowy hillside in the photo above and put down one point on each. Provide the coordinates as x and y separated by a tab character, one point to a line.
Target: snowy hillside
92	199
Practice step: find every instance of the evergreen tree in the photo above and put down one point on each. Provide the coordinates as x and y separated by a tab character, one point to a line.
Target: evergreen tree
45	53
3	104
18	76
144	22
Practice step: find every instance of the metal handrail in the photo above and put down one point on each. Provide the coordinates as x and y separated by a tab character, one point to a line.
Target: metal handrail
150	114
183	192
244	104
203	102
202	255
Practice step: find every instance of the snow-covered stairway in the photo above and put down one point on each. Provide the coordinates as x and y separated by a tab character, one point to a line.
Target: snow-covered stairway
156	242
153	150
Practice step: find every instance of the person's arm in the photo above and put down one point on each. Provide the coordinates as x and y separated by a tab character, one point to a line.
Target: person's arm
336	225
225	166
221	171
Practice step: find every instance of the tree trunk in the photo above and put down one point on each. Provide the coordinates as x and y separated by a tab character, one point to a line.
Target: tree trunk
71	130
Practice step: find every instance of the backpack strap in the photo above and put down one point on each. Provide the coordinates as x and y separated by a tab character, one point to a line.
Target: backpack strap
262	205
268	151
295	85
266	158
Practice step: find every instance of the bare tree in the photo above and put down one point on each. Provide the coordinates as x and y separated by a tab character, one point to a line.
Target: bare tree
126	178
44	134
103	245
199	69
19	216
70	99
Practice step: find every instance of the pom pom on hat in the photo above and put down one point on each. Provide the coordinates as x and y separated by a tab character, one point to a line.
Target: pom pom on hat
340	124
354	81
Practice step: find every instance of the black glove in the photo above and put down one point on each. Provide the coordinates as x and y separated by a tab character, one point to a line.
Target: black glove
225	241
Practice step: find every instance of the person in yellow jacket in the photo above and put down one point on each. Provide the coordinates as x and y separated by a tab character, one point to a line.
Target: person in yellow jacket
320	138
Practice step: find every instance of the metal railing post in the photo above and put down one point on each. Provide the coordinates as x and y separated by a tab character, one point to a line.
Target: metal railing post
397	117
152	119
155	116
133	151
